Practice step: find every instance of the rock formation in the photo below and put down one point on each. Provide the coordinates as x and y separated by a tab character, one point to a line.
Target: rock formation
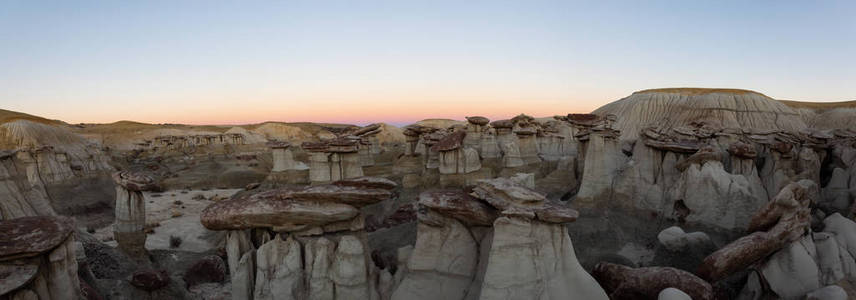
37	259
285	168
623	282
129	229
300	243
728	108
493	244
47	169
334	160
454	158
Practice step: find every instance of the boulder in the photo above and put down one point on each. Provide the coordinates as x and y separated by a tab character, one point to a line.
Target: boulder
149	280
210	268
622	282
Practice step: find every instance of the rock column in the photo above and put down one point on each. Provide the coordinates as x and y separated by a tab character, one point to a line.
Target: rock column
129	229
319	248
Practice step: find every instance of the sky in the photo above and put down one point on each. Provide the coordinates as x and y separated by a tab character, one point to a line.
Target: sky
359	62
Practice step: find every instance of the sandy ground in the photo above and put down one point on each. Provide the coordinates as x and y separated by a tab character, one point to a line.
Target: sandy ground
177	214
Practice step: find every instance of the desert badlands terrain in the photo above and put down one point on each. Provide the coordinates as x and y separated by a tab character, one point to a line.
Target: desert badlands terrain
678	193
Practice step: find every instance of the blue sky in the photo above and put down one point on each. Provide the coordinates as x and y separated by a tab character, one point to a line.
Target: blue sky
401	61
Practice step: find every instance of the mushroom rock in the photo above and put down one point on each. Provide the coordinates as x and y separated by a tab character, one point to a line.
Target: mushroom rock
518	249
602	158
528	143
411	137
781	221
320	169
488	146
283	159
131	212
443	262
622	282
476	126
674	107
37	258
509	143
344	159
453	157
431	157
511	157
491	244
334	160
551	143
325	254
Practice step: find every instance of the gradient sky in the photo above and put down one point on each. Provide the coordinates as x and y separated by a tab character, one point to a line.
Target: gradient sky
398	61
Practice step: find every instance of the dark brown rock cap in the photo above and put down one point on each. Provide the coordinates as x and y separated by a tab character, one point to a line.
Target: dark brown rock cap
32	236
478	120
368	130
137	182
742	150
584	120
314	146
502	124
452	141
458	204
351	195
513	199
278	144
368	182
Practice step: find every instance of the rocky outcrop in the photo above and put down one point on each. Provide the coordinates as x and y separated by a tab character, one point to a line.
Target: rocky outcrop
129	229
300	243
37	259
502	241
47	169
729	108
